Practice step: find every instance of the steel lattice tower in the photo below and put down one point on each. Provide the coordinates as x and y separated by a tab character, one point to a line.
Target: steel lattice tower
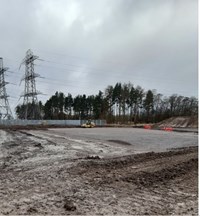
5	111
30	101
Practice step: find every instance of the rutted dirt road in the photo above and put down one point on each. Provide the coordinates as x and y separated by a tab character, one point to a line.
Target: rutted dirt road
52	173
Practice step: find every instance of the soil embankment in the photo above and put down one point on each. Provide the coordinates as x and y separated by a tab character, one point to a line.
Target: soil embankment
179	122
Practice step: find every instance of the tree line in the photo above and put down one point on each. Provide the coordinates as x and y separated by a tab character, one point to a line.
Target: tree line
121	103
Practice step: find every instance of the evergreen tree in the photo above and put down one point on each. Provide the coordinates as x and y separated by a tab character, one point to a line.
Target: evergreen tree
148	105
117	104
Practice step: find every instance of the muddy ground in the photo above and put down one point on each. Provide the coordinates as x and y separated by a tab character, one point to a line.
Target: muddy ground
52	172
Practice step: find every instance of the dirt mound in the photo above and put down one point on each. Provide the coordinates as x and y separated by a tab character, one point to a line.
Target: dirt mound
155	181
179	122
122	161
163	175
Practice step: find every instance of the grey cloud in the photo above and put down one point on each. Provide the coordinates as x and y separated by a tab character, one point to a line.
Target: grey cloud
150	43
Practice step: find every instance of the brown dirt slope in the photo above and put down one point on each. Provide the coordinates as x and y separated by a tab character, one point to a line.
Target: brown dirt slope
179	122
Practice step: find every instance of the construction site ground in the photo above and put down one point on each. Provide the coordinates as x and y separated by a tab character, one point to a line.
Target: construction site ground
98	171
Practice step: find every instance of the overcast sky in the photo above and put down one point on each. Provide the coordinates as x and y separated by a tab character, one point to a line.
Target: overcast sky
87	45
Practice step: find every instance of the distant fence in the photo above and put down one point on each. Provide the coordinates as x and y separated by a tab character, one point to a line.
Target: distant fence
21	122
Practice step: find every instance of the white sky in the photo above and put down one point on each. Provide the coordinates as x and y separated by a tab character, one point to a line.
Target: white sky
87	45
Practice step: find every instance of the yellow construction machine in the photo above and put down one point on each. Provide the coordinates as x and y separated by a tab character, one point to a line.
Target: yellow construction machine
88	124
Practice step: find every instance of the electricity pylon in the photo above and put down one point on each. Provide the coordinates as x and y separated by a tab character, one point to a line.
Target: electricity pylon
5	111
30	101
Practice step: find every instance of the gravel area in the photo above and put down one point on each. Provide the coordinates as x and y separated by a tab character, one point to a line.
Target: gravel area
140	139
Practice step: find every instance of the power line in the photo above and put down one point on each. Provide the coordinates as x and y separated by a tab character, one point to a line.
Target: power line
116	73
93	71
64	82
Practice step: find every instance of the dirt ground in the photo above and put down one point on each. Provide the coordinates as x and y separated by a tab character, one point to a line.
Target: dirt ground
51	172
